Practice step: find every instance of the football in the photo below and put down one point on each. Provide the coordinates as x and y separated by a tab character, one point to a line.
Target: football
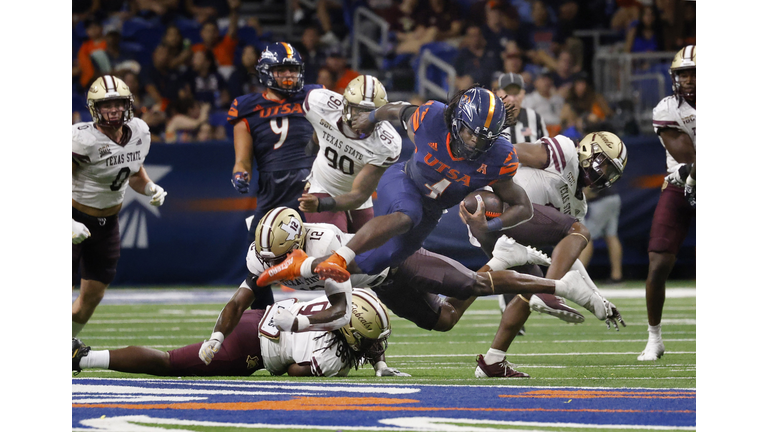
494	206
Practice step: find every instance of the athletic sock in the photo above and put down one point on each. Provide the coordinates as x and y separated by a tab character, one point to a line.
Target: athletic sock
494	356
654	333
95	359
76	328
346	253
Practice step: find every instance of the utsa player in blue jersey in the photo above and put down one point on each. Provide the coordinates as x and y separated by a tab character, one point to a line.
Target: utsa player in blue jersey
271	128
459	149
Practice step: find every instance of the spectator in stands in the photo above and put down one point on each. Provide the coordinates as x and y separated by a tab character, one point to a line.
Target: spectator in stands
311	53
513	61
205	10
223	48
96	41
179	48
161	11
208	132
582	101
542	32
435	20
645	34
529	125
545	101
685	23
628	12
330	15
475	63
336	62
326	78
204	83
161	82
187	115
495	33
244	79
603	222
112	60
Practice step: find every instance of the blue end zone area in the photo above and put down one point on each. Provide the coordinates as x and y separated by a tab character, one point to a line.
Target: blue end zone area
118	404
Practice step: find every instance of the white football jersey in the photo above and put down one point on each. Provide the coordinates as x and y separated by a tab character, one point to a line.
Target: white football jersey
555	185
306	348
341	158
670	114
321	240
105	166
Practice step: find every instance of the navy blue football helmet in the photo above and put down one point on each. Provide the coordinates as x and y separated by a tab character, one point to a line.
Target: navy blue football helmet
482	114
280	54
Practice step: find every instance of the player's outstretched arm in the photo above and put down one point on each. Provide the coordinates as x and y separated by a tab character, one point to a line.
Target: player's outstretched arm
533	155
363	187
334	317
226	323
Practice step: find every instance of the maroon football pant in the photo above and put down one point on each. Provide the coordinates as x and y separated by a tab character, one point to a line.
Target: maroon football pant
240	354
671	221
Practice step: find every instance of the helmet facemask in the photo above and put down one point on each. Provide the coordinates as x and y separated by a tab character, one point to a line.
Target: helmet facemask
102	120
469	144
600	171
362	95
602	158
477	120
105	89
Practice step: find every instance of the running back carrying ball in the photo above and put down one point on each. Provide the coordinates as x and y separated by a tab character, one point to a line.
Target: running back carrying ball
493	204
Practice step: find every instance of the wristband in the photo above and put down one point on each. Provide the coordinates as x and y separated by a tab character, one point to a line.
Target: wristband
219	336
372	116
302	322
494	225
326	204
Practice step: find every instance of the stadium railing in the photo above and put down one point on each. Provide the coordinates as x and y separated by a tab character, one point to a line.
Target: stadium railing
427	88
376	48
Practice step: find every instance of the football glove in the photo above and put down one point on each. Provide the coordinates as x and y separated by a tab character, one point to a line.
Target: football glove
80	232
211	347
678	176
156	192
240	180
690	191
284	319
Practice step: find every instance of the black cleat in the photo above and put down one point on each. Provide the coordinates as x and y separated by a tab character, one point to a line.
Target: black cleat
79	350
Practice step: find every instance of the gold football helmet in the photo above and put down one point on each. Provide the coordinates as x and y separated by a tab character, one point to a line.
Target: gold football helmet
602	158
105	88
363	94
369	323
684	59
278	233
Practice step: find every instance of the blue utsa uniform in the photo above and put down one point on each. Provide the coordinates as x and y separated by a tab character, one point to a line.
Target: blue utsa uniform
280	134
429	182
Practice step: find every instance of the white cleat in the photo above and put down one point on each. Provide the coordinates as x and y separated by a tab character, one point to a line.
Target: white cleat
579	292
653	351
513	254
552	305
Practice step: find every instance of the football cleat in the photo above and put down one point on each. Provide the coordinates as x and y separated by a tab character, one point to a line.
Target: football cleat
653	351
502	369
579	292
79	350
552	305
335	267
289	269
514	254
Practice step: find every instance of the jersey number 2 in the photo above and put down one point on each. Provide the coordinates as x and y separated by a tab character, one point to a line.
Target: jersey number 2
281	130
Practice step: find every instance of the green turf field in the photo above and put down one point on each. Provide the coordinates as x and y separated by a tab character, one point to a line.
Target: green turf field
552	352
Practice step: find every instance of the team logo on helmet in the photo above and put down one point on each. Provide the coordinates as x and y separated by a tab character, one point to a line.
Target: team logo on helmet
278	233
602	158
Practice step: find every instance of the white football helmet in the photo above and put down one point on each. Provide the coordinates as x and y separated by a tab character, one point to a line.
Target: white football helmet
369	323
602	158
363	94
278	233
685	59
105	88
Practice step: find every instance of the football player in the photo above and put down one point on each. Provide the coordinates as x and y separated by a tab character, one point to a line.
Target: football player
270	127
255	344
107	156
459	149
349	163
554	172
674	120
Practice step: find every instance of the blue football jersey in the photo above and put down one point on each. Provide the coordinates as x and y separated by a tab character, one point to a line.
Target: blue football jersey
279	129
441	176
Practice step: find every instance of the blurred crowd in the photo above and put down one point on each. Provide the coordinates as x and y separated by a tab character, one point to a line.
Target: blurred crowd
186	60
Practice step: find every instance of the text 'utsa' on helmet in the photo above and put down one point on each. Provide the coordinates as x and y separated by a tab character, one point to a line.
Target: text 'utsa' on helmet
281	68
602	158
477	120
362	95
105	89
369	327
278	233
